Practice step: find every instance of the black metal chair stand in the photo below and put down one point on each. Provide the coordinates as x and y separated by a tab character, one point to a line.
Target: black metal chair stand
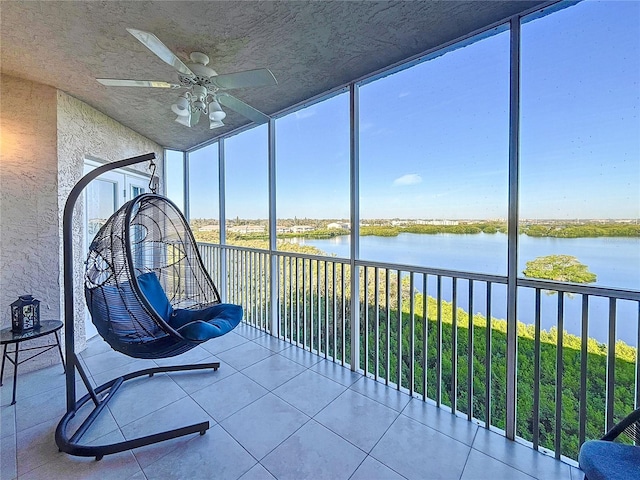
101	395
129	259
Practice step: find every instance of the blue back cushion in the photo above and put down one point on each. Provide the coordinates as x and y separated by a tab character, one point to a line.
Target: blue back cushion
153	292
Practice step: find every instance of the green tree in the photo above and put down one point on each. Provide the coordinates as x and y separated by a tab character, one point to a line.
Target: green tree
561	268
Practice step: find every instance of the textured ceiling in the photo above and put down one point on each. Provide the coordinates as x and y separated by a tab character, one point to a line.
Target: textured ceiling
310	46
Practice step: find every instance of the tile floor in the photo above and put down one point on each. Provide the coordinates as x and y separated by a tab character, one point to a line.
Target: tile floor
276	411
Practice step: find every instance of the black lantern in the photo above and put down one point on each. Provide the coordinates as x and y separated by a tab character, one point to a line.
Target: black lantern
25	314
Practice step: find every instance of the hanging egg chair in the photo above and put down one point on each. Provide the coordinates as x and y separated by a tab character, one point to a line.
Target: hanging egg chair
146	287
149	296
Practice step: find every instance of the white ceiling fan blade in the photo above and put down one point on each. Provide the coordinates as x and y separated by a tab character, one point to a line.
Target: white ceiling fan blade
114	82
242	108
154	44
195	117
250	78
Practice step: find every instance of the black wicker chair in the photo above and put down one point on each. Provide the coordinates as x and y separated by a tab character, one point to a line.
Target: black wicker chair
146	288
149	296
606	459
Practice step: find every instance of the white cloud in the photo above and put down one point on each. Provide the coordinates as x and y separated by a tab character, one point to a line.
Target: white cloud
408	179
305	113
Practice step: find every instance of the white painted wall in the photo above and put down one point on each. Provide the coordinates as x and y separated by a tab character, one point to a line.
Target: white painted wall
29	243
45	137
85	132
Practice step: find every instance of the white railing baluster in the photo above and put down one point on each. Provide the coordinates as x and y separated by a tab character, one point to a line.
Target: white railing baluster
310	294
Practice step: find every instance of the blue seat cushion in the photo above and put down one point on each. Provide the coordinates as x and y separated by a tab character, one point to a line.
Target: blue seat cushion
207	323
601	460
153	292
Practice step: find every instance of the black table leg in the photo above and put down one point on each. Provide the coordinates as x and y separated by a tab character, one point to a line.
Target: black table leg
4	356
64	367
15	375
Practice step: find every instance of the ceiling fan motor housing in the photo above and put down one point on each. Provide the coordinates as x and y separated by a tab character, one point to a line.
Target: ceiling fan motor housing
202	73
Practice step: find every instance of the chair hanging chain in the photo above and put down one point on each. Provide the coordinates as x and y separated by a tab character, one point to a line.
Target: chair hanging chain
152	184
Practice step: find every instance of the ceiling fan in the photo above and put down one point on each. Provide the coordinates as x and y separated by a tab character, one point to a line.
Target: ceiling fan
205	88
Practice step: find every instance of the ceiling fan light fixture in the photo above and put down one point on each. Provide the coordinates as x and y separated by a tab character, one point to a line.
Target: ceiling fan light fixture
184	120
217	116
215	112
199	105
215	124
181	107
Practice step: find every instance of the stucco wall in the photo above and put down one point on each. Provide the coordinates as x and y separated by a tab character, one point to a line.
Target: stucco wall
29	230
45	137
85	132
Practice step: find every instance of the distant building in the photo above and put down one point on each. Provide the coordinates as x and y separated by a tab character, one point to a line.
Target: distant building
209	228
436	222
302	228
338	226
247	229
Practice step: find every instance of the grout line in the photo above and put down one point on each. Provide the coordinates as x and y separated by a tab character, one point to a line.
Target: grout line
245	406
136	458
274	448
245	340
15	441
346	439
222	365
381	436
375	460
305	413
271	353
475	435
378	401
335	365
450	435
359	465
306	352
464	467
268	471
504	462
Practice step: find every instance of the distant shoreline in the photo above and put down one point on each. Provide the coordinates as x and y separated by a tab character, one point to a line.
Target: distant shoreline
322	229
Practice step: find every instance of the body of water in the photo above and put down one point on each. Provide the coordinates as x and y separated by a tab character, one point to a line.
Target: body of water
615	261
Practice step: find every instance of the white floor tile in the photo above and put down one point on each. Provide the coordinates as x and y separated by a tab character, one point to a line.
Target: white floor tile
314	452
483	467
310	392
273	371
226	397
418	452
263	425
358	419
263	400
214	455
372	469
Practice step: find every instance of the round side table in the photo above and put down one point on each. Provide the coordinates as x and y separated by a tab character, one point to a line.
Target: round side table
7	337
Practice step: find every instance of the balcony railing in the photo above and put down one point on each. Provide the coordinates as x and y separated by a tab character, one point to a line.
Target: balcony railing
432	334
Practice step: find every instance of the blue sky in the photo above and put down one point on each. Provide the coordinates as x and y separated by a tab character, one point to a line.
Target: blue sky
434	138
